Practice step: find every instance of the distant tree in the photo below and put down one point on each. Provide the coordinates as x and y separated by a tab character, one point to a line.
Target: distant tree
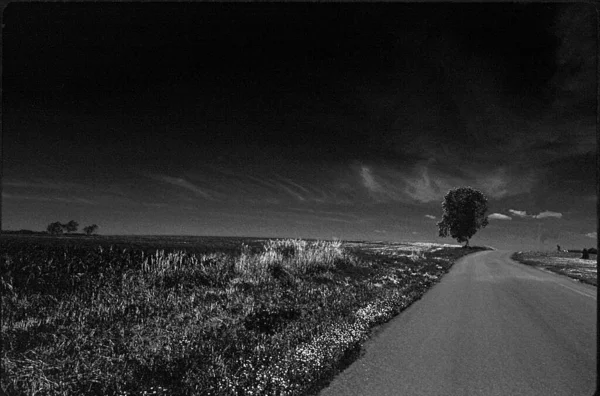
71	226
89	230
55	228
464	214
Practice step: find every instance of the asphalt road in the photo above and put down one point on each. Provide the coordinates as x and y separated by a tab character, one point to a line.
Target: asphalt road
490	327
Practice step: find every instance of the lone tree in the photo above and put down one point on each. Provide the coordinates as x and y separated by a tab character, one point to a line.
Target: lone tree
55	228
464	214
71	226
89	230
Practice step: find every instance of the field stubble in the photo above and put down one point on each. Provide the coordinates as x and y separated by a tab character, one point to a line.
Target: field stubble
564	263
266	317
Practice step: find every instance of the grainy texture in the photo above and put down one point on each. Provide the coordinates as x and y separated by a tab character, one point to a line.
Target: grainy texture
189	316
565	263
491	327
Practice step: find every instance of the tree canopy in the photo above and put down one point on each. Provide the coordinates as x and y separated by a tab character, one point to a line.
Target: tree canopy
464	214
55	228
71	226
89	230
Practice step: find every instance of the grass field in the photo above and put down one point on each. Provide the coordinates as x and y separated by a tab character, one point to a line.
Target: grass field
564	263
198	316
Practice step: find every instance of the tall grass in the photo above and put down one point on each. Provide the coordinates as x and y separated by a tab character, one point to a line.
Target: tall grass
290	256
274	318
295	256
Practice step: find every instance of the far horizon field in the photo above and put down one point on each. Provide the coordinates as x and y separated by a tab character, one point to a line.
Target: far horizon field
546	246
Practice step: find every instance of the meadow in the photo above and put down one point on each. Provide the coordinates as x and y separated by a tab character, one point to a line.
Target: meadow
564	263
198	316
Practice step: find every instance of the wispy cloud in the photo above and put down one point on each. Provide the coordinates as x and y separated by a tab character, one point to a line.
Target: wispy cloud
290	191
70	200
275	185
42	184
386	183
430	217
180	182
306	193
317	212
429	181
321	215
37	186
336	219
291	182
287	215
368	180
155	205
499	216
592	234
502	182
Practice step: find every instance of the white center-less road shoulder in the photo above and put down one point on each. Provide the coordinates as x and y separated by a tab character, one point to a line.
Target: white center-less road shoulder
490	327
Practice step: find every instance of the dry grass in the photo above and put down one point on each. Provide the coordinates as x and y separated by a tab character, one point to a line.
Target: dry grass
279	317
564	263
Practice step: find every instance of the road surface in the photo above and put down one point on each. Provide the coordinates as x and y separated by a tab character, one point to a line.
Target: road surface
490	327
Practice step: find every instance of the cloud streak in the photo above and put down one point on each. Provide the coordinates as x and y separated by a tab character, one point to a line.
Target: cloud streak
180	182
44	184
547	213
72	200
519	213
271	186
429	181
499	216
541	215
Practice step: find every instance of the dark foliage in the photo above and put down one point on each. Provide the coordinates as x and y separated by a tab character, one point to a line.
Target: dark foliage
55	228
71	226
91	229
464	214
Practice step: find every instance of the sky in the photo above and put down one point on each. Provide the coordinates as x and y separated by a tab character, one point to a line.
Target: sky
347	121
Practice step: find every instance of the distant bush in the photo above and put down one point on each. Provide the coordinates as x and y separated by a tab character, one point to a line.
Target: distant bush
71	226
55	228
91	229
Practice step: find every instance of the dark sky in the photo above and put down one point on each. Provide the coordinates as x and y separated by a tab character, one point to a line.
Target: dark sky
300	120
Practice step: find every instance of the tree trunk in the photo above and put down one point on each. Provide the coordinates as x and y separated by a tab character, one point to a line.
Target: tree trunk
467	244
